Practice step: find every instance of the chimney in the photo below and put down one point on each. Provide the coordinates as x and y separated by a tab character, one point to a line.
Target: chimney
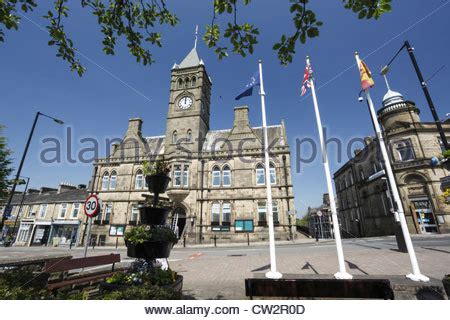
241	117
63	187
45	190
33	191
81	186
368	140
135	126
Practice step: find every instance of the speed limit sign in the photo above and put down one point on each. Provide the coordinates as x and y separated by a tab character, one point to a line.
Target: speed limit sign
92	206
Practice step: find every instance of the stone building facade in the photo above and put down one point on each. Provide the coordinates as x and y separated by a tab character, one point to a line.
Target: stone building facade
48	216
362	190
217	175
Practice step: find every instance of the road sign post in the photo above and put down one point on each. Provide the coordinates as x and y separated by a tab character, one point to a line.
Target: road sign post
92	207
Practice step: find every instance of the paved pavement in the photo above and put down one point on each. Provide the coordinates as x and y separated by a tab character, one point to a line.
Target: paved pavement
219	273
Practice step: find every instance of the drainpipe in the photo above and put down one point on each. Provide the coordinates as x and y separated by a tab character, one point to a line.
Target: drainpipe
286	186
200	233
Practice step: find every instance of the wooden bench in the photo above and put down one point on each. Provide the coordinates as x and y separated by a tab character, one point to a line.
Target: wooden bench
79	278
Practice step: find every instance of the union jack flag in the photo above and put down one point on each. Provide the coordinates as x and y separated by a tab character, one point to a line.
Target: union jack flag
307	78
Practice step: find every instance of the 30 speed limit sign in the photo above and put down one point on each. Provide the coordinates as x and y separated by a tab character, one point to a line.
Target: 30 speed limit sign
92	206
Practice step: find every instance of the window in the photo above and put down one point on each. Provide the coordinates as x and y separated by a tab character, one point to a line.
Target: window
275	212
180	83
405	150
185	176
108	211
134	212
216	177
186	83
139	180
215	213
113	181
75	210
260	175
351	179
189	136
105	181
226	176
177	176
262	213
62	210
273	175
194	81
361	174
226	213
42	211
174	137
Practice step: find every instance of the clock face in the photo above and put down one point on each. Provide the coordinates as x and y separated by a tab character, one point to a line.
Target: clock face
185	103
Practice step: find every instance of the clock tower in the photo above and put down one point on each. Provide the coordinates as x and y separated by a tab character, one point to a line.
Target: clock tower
189	107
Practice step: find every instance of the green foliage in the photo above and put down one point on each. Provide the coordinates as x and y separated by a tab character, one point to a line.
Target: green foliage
446	154
155	276
21	284
143	234
304	221
156	168
143	292
5	166
136	22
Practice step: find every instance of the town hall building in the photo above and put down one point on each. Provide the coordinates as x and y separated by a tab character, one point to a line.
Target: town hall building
217	176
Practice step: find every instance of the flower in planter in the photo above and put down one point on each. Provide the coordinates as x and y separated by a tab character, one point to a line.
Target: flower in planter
159	167
143	234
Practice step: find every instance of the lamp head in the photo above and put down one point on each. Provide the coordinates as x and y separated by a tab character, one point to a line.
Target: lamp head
58	121
360	99
384	70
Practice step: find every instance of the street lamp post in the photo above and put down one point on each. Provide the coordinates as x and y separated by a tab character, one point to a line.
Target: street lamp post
13	188
20	206
423	83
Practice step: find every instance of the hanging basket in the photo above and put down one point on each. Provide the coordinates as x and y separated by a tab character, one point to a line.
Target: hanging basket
157	183
149	250
153	216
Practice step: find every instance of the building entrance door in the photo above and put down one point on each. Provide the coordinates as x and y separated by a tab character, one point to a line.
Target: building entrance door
425	216
179	221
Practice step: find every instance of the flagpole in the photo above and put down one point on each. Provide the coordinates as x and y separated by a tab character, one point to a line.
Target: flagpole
342	274
273	273
415	275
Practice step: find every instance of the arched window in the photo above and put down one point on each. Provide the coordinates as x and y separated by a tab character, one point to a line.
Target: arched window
194	81
185	176
216	177
226	176
405	150
189	135
177	176
174	137
226	213
186	83
215	213
113	181
260	179
139	183
105	181
273	174
180	83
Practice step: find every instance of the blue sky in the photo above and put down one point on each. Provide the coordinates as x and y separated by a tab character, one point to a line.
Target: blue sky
115	88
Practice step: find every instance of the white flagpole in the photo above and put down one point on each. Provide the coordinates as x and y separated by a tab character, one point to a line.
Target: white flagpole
273	273
415	275
342	274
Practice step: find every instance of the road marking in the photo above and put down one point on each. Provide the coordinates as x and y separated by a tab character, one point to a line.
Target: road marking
195	255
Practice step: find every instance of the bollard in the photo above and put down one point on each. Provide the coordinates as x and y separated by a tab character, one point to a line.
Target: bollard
248	238
215	240
184	241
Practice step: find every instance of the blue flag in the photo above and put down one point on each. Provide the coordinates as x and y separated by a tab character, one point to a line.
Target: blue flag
248	89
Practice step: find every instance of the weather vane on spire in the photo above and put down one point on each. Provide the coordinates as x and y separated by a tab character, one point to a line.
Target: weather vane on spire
196	37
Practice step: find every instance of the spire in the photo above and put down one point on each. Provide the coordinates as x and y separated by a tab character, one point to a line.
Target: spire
391	97
196	37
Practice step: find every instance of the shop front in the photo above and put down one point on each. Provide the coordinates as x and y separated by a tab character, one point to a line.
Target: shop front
24	233
41	233
64	232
